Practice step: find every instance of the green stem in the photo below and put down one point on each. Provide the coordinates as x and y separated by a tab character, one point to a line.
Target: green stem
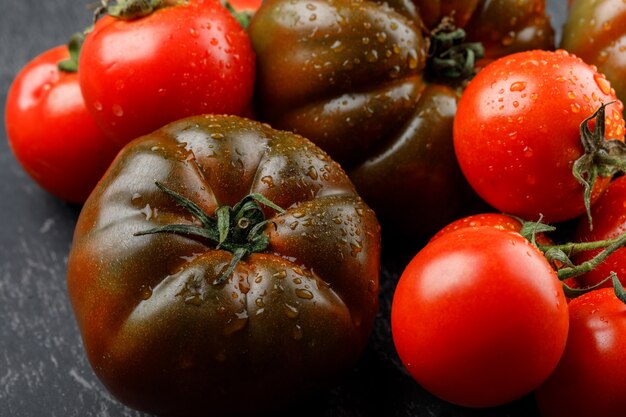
587	266
239	229
573	248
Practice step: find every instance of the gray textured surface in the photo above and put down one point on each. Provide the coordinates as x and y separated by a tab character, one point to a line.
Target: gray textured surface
43	370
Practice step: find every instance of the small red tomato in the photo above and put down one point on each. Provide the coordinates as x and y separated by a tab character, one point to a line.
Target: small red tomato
479	318
517	132
609	221
50	131
590	380
182	60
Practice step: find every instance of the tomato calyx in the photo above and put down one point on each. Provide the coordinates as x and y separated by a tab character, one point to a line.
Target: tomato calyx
131	9
449	55
243	17
238	229
602	158
559	256
73	46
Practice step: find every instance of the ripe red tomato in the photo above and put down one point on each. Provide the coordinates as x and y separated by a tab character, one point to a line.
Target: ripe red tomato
609	221
50	131
495	220
479	318
191	58
516	132
590	379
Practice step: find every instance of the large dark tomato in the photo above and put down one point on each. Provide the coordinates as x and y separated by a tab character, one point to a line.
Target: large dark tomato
166	326
181	60
351	76
594	31
517	132
50	131
590	379
609	221
479	318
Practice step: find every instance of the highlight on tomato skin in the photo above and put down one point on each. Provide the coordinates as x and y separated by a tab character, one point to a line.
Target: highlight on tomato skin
517	133
50	131
590	379
479	318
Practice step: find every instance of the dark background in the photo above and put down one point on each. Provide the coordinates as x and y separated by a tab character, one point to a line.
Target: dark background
43	370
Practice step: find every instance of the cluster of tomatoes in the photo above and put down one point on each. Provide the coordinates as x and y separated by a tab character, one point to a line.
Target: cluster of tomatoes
220	255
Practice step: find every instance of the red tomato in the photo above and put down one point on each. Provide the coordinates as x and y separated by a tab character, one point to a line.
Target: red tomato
609	221
50	131
183	60
516	132
479	318
590	379
495	220
246	5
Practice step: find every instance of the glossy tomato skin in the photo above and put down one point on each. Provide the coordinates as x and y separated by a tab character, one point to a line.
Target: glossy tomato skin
349	75
516	132
479	318
594	32
160	335
50	131
590	379
609	221
183	60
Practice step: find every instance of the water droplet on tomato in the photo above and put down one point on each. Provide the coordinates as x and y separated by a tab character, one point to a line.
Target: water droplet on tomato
518	86
602	83
297	332
118	110
304	294
291	311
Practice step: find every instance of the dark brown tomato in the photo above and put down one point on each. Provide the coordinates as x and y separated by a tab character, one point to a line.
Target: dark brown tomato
349	75
595	31
161	335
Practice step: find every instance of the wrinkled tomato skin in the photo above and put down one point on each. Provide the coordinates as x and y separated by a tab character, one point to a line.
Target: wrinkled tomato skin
349	75
594	31
609	221
479	318
192	58
50	131
590	378
517	132
160	335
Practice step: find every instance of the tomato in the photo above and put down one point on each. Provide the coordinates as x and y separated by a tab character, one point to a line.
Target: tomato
590	378
594	32
245	5
50	131
495	220
167	327
609	221
479	318
182	60
517	132
352	76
